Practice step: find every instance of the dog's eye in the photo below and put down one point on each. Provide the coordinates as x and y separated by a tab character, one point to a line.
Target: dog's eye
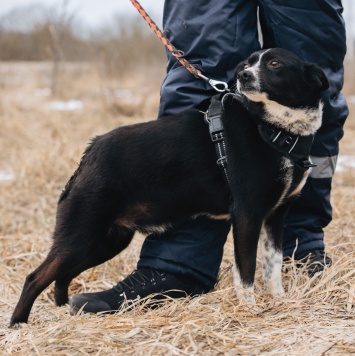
246	65
274	64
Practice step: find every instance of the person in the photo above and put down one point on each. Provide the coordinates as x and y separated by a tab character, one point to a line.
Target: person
216	36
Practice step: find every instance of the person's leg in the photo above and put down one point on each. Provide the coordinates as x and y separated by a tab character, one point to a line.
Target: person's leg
314	30
196	248
215	36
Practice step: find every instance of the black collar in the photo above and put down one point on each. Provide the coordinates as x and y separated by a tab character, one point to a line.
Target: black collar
294	147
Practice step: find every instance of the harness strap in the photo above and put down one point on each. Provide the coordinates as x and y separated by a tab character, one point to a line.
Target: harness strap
213	119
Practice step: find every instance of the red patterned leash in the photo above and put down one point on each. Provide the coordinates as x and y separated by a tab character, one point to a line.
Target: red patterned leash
178	54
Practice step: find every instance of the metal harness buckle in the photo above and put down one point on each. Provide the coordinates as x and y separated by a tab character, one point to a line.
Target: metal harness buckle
215	127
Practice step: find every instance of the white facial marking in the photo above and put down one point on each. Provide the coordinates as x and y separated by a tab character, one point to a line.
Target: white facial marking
271	265
255	69
245	293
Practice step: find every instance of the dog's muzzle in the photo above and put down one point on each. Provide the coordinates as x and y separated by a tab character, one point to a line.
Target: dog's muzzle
246	80
245	76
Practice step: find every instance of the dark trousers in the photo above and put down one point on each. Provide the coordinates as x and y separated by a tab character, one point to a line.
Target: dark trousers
216	36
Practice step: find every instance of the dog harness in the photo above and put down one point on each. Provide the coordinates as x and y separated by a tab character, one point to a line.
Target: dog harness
296	148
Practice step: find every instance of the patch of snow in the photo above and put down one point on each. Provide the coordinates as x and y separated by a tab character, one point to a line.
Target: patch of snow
345	163
42	91
69	105
6	176
119	93
123	93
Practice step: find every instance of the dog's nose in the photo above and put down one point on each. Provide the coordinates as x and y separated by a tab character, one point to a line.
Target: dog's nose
244	76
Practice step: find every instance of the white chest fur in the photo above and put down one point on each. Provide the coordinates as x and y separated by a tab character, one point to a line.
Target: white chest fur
299	121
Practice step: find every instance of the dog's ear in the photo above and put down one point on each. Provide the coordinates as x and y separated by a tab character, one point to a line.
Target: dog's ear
316	77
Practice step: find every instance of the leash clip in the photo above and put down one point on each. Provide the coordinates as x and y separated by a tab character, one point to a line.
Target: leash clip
217	85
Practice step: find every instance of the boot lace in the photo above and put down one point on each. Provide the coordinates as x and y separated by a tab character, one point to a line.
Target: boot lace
137	277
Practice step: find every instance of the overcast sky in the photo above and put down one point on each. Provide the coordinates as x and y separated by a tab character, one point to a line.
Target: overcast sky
98	12
92	12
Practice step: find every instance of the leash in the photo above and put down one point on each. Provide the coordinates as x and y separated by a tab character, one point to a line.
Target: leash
178	54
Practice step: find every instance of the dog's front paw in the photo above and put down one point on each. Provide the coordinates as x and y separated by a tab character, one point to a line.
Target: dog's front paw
245	293
279	293
275	289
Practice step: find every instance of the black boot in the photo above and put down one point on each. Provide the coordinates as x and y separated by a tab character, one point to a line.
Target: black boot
316	261
139	284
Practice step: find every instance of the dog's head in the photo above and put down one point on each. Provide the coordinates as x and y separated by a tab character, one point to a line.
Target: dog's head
279	75
285	90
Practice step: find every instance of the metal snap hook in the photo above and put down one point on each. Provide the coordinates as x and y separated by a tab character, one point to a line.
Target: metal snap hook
217	85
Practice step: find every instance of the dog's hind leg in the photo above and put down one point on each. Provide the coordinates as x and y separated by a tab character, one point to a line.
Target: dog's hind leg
82	221
38	280
117	239
246	230
271	252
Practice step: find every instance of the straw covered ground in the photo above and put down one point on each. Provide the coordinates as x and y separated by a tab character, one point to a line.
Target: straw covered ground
41	143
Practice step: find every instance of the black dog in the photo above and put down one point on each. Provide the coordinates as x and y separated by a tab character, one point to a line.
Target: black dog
151	176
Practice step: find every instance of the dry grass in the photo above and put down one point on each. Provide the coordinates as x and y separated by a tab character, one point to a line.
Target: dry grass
42	148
